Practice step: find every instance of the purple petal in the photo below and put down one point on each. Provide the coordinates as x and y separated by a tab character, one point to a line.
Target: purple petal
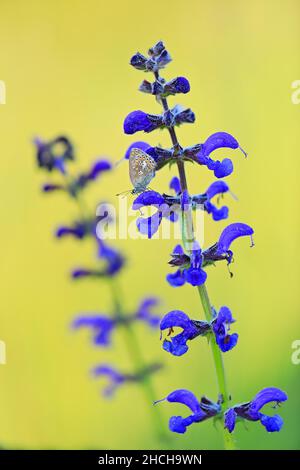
177	85
272	423
218	140
175	185
178	250
148	198
195	276
98	167
149	225
229	419
223	168
218	187
144	311
179	424
115	377
48	187
137	145
177	318
230	233
228	342
265	396
185	397
138	121
176	279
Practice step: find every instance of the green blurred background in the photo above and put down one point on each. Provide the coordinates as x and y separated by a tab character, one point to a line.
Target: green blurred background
65	65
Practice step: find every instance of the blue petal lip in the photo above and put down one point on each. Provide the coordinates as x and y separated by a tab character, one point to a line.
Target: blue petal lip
185	397
98	167
272	423
217	187
148	198
175	318
176	279
138	121
229	419
149	225
230	233
219	140
175	185
265	396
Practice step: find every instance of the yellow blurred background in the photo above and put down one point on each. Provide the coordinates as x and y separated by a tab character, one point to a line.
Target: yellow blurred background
65	66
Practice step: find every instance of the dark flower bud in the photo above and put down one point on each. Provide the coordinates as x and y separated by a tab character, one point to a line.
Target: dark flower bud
185	116
138	61
157	49
177	85
146	87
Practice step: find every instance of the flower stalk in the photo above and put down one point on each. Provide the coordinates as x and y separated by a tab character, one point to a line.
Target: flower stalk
188	237
102	326
191	260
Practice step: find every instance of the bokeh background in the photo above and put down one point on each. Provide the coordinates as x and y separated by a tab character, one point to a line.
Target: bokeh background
65	65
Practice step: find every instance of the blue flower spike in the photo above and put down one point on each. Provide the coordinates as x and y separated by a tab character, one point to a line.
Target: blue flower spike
177	328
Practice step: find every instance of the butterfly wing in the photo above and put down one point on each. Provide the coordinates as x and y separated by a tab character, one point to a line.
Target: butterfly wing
141	169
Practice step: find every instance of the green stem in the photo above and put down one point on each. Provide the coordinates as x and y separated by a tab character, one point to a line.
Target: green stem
188	237
138	362
229	443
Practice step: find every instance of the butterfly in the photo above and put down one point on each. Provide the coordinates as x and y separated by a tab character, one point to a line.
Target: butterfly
141	170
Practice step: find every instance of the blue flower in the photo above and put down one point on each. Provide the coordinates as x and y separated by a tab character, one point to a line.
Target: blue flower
113	258
177	85
190	267
79	229
117	378
215	141
145	314
216	188
177	345
82	180
158	58
162	89
102	326
221	249
201	410
191	329
113	262
54	153
221	326
79	182
149	225
251	410
139	121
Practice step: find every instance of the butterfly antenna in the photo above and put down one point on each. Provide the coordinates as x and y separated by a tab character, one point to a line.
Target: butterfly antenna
119	161
124	193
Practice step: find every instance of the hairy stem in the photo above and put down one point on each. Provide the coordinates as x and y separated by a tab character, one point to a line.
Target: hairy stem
188	237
